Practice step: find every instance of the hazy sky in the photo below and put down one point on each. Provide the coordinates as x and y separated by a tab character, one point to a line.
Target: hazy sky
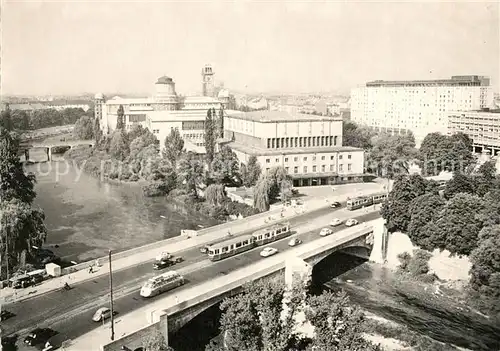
69	47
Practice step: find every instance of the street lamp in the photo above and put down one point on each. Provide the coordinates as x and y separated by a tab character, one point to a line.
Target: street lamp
111	298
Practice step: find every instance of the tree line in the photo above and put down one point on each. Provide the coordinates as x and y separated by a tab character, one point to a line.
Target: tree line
389	155
463	218
22	120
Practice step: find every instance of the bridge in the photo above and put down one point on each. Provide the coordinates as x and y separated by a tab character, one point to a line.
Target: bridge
174	311
49	145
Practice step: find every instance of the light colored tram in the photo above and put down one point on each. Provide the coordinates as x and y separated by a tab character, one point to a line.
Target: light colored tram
161	283
267	235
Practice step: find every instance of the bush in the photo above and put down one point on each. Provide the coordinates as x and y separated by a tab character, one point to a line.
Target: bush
134	177
419	263
155	189
404	260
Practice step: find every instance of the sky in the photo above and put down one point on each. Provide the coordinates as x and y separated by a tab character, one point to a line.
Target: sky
70	47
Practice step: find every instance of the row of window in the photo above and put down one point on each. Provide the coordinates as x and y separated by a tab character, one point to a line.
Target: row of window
296	158
323	168
278	143
193	136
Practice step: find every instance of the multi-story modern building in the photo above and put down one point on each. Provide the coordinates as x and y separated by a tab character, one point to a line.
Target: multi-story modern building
420	106
481	126
165	110
309	147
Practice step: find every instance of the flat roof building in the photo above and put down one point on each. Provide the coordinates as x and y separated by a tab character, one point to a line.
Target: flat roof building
419	106
308	147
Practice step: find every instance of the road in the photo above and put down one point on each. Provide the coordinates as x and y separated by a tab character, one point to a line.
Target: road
70	312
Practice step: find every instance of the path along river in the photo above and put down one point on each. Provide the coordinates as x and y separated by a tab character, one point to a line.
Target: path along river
85	217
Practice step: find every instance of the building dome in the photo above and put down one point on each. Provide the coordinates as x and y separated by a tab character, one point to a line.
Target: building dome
164	80
224	93
99	96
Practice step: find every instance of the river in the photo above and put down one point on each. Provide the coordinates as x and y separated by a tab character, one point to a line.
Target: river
86	217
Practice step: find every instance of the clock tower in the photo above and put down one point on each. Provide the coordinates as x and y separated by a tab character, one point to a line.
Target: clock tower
208	87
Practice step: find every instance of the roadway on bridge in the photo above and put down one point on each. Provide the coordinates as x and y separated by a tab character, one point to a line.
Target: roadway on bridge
70	312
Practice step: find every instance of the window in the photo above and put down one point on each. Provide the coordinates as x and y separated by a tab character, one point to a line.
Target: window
286	159
286	169
295	159
277	160
332	158
295	169
340	157
348	157
332	168
314	168
305	158
341	168
322	158
323	168
349	167
305	169
268	160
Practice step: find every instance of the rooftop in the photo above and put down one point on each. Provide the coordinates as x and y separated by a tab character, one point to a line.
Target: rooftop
177	115
251	150
199	99
164	80
278	116
471	80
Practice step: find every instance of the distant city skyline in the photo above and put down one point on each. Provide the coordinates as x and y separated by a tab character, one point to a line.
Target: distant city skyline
294	47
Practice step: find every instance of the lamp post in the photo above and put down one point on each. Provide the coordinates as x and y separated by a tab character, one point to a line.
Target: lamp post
111	298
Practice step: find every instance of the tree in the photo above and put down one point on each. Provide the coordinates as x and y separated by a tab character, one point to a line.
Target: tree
490	212
356	136
392	154
221	123
396	209
215	194
210	135
431	153
460	183
261	194
190	173
423	210
120	118
224	169
174	145
486	179
156	342
286	190
277	175
337	326
97	131
84	128
22	227
458	224
119	145
251	173
6	118
14	183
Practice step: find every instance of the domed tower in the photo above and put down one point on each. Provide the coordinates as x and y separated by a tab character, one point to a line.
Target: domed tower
207	75
98	106
165	94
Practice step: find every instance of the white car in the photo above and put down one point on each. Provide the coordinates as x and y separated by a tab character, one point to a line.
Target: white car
268	251
294	242
325	232
102	314
164	255
351	222
335	222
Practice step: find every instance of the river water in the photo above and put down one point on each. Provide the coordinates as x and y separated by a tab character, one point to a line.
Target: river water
85	217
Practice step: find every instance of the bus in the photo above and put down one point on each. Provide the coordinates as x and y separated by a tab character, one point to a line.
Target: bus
267	235
161	283
230	247
364	201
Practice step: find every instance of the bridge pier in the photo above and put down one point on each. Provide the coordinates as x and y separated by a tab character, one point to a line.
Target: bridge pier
27	155
49	154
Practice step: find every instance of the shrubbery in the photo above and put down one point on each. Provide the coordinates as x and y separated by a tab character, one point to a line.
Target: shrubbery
416	266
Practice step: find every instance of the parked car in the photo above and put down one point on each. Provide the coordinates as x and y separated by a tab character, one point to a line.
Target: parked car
351	222
294	242
335	222
102	313
268	251
55	342
335	204
39	336
325	232
167	262
4	315
204	249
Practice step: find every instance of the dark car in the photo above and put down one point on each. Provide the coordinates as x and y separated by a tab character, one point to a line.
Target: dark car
4	315
9	343
335	204
166	263
39	336
204	249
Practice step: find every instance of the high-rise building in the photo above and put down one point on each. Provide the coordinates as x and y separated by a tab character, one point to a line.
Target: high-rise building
419	106
208	86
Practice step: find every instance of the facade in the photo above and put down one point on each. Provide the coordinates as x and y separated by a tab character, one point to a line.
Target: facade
482	127
309	147
162	112
420	106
